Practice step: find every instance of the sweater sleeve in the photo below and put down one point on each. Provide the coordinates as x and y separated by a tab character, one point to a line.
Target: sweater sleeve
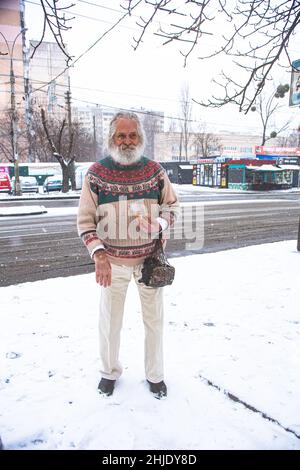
169	203
87	218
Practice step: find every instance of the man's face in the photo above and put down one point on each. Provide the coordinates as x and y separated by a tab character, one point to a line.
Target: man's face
126	134
127	146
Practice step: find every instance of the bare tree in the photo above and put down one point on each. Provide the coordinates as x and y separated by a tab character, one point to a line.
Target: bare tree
6	137
258	38
64	156
172	125
84	145
185	122
151	124
266	108
55	19
40	149
290	140
206	143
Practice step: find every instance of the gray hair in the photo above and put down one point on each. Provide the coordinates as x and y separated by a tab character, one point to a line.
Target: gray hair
126	115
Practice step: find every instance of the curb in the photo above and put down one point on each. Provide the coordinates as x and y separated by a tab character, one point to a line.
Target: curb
34	210
47	198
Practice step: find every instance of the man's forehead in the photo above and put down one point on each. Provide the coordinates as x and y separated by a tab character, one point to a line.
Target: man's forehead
124	123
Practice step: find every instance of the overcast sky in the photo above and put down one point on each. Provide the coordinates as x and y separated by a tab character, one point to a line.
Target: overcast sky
113	74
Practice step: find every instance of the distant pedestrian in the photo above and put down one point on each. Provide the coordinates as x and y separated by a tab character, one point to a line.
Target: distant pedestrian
179	178
129	199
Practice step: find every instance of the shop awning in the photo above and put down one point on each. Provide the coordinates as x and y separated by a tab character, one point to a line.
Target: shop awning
264	168
290	167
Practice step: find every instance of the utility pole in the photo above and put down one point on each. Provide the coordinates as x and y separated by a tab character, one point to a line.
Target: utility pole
68	106
69	112
298	162
14	117
14	129
94	138
27	88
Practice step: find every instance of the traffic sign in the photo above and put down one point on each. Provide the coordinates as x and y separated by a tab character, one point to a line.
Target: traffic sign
295	84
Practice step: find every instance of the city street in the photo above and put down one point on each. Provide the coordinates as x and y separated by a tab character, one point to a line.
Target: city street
47	245
145	112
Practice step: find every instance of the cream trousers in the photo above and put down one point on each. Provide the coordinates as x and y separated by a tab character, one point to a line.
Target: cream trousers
111	318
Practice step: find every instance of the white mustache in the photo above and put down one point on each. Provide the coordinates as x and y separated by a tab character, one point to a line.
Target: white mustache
130	147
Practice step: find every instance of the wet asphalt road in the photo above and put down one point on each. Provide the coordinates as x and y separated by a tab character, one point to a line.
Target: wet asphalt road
46	246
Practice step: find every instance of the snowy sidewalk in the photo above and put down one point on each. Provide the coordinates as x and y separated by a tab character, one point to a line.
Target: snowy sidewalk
37	210
232	325
22	210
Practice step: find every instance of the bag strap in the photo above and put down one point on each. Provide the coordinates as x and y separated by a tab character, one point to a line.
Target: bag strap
158	243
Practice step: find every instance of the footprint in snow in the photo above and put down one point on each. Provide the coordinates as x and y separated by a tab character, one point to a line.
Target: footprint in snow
13	355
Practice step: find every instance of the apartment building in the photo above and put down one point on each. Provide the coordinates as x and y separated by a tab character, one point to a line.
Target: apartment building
11	57
168	146
47	88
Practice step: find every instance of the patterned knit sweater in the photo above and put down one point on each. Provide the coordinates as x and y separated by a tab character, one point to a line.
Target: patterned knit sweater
113	198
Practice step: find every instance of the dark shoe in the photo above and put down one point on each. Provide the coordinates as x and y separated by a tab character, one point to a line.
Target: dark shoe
106	387
159	389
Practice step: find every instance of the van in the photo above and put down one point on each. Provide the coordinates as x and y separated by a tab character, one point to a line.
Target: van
5	183
80	173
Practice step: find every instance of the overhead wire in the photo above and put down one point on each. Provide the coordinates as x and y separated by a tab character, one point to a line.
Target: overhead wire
91	47
109	91
97	41
155	114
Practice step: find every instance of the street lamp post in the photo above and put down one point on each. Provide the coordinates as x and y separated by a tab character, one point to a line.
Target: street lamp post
14	126
298	160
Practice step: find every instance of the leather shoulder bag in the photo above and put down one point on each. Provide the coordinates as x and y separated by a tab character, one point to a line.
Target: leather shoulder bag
157	271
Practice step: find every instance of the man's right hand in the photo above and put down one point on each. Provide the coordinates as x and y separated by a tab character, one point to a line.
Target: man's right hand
102	268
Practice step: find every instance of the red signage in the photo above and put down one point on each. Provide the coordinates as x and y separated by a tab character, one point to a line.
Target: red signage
250	161
290	151
4	169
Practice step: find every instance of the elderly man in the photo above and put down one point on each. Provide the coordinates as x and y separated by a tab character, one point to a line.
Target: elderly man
126	201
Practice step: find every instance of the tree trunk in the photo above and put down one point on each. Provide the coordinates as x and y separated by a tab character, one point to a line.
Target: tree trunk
263	137
71	172
180	146
65	175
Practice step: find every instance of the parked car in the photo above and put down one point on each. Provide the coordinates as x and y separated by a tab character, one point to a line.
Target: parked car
52	183
5	183
29	184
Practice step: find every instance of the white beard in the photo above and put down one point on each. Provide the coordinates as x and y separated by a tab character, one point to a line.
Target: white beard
126	155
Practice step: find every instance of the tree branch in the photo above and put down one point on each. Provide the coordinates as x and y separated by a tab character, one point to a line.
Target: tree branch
259	38
56	26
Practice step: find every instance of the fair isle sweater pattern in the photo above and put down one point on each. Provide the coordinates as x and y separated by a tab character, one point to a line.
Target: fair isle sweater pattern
132	252
89	237
108	181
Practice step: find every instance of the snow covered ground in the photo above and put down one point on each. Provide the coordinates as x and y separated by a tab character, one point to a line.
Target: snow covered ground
40	195
232	324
